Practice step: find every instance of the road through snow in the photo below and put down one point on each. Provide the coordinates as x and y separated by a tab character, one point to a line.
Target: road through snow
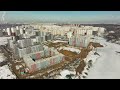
108	65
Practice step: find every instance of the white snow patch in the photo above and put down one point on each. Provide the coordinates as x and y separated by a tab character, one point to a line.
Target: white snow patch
64	73
2	57
59	77
3	40
5	73
56	41
70	49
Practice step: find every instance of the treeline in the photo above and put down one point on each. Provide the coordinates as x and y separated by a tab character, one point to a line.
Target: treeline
109	27
2	26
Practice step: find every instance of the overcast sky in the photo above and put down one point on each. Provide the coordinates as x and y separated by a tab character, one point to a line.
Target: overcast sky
62	16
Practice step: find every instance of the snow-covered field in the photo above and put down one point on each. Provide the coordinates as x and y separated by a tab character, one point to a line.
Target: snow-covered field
56	41
5	73
108	65
70	49
3	40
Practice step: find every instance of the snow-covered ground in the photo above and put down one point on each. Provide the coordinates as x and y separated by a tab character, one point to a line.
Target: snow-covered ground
2	57
108	65
3	40
56	41
5	73
92	57
64	73
70	49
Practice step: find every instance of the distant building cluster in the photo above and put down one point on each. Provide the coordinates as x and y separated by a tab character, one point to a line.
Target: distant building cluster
26	40
75	34
63	30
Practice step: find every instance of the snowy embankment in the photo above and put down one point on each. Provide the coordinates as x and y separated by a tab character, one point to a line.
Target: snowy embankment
56	41
91	56
108	65
70	49
3	40
5	73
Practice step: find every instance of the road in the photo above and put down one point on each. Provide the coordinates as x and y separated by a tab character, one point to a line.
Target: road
108	65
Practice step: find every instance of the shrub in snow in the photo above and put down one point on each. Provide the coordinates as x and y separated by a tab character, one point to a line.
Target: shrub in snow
68	77
87	68
86	73
96	54
84	76
90	62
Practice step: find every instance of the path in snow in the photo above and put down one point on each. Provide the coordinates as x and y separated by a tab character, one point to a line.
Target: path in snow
108	65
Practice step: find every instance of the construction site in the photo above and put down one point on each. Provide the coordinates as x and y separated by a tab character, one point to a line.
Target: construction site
69	58
65	49
32	55
21	70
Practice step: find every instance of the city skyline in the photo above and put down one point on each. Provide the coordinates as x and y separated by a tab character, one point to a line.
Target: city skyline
87	17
